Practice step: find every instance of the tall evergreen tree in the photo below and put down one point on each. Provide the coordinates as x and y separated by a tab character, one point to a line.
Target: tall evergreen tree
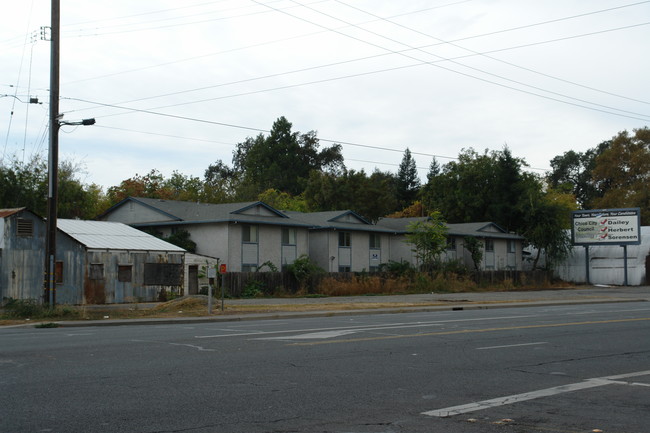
408	182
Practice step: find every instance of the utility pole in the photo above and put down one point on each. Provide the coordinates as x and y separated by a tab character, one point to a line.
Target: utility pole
53	158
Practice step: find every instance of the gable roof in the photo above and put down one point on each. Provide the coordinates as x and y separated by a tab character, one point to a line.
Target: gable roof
337	220
9	212
477	229
186	212
113	236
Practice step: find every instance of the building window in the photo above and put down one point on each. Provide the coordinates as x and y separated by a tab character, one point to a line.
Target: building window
249	233
344	269
124	273
288	236
451	244
489	245
58	272
344	241
96	271
512	247
24	227
163	274
375	241
249	268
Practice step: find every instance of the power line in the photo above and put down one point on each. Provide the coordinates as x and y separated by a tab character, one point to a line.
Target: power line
643	117
509	63
414	48
229	125
442	58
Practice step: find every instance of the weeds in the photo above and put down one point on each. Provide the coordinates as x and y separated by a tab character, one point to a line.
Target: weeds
32	309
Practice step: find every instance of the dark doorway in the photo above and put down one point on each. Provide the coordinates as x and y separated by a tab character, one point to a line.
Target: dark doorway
193	280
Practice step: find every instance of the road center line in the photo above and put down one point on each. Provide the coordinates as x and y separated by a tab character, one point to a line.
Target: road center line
511	399
511	345
472	331
367	327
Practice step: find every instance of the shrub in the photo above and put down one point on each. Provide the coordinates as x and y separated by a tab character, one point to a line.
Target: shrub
304	270
253	289
32	309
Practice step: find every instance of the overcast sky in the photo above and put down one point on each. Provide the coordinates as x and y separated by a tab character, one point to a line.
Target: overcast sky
437	76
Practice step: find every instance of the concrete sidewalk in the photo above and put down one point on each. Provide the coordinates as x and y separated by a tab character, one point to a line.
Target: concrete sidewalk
355	305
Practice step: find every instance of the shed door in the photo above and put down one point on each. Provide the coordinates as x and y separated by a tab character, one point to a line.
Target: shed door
193	280
95	284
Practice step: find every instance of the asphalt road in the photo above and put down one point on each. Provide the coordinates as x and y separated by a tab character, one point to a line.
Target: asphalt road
563	369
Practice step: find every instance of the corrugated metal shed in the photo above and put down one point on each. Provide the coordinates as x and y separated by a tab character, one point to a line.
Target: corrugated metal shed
114	236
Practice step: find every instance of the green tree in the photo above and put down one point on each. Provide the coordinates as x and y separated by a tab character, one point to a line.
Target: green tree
429	239
220	183
283	160
547	223
572	173
151	185
75	199
370	196
408	182
283	201
182	239
481	187
621	173
26	185
475	249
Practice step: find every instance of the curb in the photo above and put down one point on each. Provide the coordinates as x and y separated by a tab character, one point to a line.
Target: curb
332	313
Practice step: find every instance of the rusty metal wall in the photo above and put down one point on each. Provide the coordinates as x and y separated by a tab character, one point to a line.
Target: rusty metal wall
22	259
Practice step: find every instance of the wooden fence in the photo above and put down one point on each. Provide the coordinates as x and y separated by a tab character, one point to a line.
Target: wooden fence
249	284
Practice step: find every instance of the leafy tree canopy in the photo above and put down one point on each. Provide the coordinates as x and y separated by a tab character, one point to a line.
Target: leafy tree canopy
481	187
25	184
283	159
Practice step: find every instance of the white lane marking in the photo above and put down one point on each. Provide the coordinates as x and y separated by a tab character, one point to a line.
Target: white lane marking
314	335
511	345
199	348
398	325
511	399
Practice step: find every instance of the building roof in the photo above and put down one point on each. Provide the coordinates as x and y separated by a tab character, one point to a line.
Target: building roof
113	236
336	220
477	229
8	212
186	212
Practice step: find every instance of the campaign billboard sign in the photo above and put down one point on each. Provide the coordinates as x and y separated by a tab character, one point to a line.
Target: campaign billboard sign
606	226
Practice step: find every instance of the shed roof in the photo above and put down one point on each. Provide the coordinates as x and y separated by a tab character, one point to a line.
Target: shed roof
8	212
113	236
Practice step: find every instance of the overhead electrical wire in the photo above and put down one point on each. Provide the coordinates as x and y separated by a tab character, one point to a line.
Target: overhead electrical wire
260	130
486	55
643	117
164	114
454	62
634	114
13	105
259	45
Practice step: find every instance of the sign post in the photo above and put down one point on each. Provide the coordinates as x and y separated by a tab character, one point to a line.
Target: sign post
222	270
606	227
212	274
